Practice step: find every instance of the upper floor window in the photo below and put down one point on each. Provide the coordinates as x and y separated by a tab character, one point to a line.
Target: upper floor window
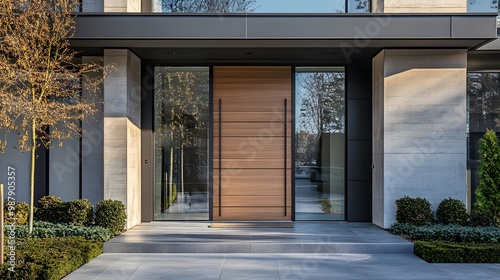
262	6
478	6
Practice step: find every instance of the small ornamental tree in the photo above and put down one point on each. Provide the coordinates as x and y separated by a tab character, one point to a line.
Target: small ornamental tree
488	189
41	77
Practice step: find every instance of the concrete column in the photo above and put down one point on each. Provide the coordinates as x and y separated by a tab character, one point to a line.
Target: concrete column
419	6
419	126
92	6
122	132
123	6
93	143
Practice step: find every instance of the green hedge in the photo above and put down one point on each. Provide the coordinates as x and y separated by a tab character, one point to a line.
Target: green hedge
50	258
451	233
448	252
46	230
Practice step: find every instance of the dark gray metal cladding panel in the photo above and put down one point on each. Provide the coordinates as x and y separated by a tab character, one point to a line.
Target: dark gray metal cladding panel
359	201
473	27
359	165
158	27
349	27
359	120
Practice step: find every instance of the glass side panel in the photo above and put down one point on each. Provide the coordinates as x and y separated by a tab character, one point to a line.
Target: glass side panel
482	6
319	143
181	135
260	6
358	6
483	108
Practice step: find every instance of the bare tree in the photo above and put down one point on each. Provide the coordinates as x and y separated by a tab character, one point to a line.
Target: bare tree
40	78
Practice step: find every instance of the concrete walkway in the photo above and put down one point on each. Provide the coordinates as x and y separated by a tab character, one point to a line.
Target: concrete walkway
310	250
277	266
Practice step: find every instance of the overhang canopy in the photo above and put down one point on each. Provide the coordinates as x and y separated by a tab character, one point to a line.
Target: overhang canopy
358	34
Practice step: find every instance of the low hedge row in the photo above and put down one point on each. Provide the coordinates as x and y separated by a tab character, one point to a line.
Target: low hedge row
50	258
46	230
449	252
450	233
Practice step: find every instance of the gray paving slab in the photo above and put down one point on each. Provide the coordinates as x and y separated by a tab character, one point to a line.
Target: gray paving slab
304	237
277	266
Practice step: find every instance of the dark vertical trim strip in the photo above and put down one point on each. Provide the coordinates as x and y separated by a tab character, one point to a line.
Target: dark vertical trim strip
211	145
220	157
346	143
286	158
346	6
80	167
294	149
47	167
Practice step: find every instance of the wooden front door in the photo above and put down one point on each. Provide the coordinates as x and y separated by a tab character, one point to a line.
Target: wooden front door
252	174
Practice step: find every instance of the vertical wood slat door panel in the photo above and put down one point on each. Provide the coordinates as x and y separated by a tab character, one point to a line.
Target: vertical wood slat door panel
252	100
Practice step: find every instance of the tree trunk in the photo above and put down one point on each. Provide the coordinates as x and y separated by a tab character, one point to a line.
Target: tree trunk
32	175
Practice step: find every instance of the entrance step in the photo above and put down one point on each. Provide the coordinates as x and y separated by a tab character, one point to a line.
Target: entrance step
304	237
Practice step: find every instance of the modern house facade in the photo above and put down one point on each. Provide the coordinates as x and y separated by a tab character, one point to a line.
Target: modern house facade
278	110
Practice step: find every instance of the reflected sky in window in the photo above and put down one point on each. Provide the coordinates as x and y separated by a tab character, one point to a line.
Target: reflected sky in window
482	6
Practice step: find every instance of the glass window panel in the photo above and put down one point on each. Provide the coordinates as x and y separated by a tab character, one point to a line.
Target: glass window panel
358	6
181	126
251	6
482	5
320	143
483	110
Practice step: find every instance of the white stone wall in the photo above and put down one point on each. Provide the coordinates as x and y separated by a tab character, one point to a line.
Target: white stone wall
122	137
92	6
421	6
122	6
419	112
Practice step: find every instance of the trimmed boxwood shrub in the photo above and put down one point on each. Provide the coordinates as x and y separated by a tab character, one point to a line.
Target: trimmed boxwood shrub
448	252
111	214
50	209
451	233
452	211
21	210
46	230
50	258
79	212
415	211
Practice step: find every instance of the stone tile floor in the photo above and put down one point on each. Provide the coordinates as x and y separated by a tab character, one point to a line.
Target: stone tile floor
186	265
277	266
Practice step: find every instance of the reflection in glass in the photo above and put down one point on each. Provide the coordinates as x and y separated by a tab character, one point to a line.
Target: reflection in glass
320	143
483	109
483	6
181	120
260	6
358	6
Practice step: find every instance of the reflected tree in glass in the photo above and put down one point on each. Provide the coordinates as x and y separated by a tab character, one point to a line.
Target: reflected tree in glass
483	110
208	6
181	111
319	135
322	109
